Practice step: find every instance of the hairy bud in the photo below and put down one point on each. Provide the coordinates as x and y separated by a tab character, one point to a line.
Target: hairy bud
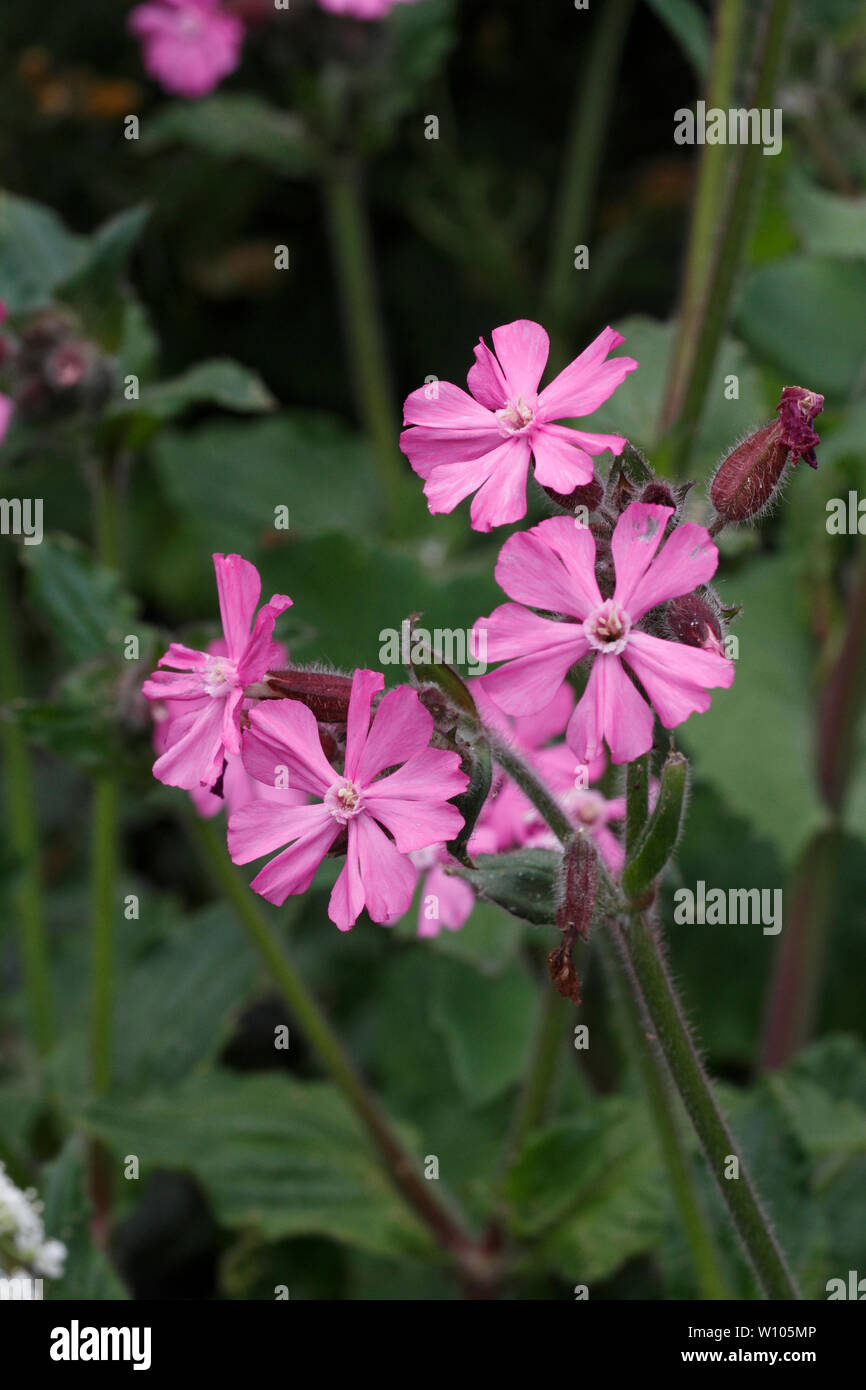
693	621
326	693
578	889
749	477
589	496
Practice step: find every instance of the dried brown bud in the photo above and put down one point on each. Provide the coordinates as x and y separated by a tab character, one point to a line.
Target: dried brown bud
326	693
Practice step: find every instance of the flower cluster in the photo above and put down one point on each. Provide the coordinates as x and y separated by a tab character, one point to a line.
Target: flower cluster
24	1251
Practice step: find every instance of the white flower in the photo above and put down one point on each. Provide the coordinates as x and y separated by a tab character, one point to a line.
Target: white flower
22	1234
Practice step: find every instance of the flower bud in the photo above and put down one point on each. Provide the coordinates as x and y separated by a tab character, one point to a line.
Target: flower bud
660	493
578	889
749	477
691	620
326	693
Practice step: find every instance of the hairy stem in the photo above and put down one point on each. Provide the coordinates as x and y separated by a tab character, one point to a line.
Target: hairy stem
400	1164
22	829
354	266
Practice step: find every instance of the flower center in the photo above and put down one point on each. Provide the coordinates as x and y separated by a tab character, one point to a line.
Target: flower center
515	417
343	800
219	677
587	808
607	628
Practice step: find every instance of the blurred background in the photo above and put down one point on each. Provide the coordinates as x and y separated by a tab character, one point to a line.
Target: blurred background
154	257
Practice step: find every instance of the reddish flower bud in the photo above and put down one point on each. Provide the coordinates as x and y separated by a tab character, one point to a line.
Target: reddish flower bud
693	621
579	885
589	496
658	492
749	477
326	693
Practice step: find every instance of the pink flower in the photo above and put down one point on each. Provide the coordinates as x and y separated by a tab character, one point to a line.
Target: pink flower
7	409
482	444
212	687
363	9
189	45
552	567
410	802
586	807
446	900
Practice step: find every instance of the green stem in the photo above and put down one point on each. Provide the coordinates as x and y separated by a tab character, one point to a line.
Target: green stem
400	1163
713	171
654	992
354	266
658	997
584	150
22	829
730	247
104	910
696	1224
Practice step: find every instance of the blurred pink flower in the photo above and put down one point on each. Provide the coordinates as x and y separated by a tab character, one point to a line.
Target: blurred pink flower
7	409
189	45
210	687
363	9
411	803
446	900
461	444
552	567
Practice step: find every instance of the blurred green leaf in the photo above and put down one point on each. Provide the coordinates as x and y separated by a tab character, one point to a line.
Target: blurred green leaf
97	289
233	126
37	253
828	223
487	1024
275	1155
84	607
689	26
88	1273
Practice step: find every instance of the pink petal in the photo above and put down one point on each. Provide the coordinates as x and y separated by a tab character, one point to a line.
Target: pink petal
675	676
530	682
687	558
455	902
284	733
231	731
513	631
401	728
591	442
447	407
292	872
552	566
260	827
534	730
636	538
522	348
388	876
609	848
486	380
502	499
427	447
558	464
195	758
586	382
610	710
347	895
365	684
238	588
261	651
7	410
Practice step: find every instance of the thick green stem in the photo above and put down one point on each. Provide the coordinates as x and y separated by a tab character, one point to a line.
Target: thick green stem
399	1162
354	266
104	909
22	829
713	171
715	300
655	994
595	92
658	997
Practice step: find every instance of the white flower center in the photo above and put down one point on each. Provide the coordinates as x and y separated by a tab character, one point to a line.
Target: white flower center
343	800
587	808
219	677
607	628
515	417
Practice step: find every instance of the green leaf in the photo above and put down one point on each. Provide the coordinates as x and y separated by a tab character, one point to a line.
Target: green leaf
524	882
281	1157
84	606
88	1273
753	744
689	26
589	1190
234	126
37	253
228	478
97	288
828	223
807	316
486	1023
